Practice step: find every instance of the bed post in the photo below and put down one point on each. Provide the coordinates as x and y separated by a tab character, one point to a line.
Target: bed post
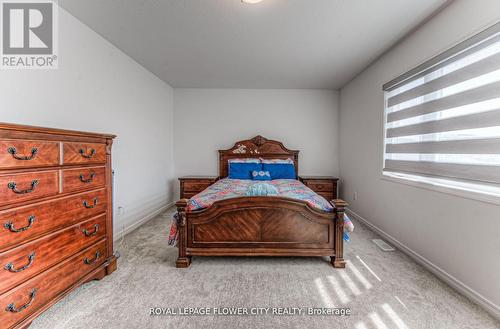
338	260
183	260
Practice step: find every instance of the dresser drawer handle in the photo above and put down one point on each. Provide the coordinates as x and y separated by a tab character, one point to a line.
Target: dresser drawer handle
93	260
10	266
85	155
12	308
89	206
13	187
87	180
10	225
88	233
13	151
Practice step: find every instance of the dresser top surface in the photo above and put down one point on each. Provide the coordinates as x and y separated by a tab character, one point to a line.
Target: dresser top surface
195	177
53	131
318	177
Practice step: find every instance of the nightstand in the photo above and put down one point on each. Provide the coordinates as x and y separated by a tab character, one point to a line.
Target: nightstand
326	186
192	185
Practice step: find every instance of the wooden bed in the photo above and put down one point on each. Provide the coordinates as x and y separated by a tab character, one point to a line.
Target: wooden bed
260	226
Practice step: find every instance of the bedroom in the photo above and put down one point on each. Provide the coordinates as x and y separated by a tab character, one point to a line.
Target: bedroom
118	114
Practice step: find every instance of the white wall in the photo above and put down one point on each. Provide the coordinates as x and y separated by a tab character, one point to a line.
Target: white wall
458	235
98	88
207	120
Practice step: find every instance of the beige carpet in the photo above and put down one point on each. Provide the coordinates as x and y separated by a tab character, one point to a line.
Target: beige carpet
383	290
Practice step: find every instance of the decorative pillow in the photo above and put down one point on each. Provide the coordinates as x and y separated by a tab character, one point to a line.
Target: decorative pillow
280	170
259	189
243	168
261	175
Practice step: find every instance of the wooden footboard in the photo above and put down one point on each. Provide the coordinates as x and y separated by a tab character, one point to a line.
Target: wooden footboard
260	226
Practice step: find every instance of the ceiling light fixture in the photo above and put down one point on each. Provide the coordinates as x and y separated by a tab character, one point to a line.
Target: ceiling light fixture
251	1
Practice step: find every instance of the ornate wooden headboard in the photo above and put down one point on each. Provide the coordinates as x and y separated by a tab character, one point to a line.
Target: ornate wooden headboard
257	147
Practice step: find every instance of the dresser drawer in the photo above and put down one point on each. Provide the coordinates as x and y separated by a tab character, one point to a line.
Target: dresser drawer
192	185
28	186
83	178
188	195
319	186
196	186
25	153
27	260
79	153
327	195
35	293
19	225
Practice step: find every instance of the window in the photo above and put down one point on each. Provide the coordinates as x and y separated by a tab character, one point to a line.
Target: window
442	119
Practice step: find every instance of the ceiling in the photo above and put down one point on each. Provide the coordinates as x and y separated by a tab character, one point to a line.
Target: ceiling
274	44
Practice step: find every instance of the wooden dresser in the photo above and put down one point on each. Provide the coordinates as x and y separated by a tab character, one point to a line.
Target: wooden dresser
55	217
326	186
192	185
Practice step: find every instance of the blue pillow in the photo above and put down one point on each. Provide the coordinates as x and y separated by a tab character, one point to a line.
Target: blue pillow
259	189
261	175
280	170
243	170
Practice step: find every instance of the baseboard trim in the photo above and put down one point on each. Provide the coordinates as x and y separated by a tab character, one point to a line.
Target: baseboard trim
141	221
458	285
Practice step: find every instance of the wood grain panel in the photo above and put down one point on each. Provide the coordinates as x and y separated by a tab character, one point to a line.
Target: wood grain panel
81	153
229	228
47	251
281	225
26	154
85	178
48	285
261	225
47	216
28	186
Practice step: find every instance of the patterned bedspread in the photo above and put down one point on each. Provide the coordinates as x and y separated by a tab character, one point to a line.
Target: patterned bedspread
231	188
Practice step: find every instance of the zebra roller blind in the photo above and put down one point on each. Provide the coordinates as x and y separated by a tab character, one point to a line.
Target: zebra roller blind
443	117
